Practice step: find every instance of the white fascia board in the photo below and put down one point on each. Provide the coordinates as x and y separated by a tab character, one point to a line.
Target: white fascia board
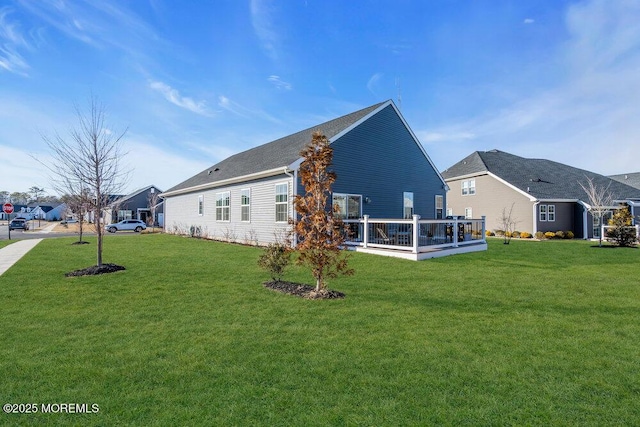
224	182
559	200
467	176
417	141
296	165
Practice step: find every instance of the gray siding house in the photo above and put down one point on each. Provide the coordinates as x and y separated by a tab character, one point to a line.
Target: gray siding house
382	171
136	205
546	195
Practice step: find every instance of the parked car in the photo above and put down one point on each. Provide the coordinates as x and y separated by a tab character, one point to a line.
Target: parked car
127	224
19	224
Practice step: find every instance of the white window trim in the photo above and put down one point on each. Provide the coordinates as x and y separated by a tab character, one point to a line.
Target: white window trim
346	197
468	189
468	213
439	197
551	213
281	203
242	205
201	205
223	207
541	213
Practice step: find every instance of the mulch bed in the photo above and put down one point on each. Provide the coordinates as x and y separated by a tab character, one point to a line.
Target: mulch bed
82	242
302	291
95	270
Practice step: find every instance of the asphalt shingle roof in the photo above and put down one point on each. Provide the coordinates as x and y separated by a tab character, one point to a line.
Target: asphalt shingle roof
279	153
632	179
543	179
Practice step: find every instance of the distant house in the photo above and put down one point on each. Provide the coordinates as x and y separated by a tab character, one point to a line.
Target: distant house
546	195
382	171
632	179
46	211
136	205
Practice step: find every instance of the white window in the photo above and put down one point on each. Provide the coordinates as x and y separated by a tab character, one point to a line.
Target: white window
282	202
223	206
408	204
245	205
551	212
439	206
468	213
469	187
201	205
124	214
347	206
449	211
543	213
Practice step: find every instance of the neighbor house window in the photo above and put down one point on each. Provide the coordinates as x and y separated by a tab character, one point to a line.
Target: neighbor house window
547	212
469	187
245	205
407	197
223	206
468	213
439	206
551	212
123	214
282	202
201	205
347	206
449	211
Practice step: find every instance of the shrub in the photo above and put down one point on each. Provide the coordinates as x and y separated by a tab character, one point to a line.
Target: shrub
569	235
195	231
622	232
275	259
540	235
560	234
499	233
525	235
516	234
490	233
549	235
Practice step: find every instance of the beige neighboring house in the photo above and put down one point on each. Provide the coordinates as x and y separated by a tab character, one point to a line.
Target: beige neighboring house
546	195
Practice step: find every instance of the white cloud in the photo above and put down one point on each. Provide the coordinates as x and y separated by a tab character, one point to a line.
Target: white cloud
588	112
262	17
11	40
279	83
173	96
528	21
373	83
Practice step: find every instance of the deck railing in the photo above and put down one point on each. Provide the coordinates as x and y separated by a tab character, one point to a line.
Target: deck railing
415	235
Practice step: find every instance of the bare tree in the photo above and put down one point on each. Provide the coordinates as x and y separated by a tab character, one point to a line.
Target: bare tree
86	164
508	223
600	201
76	204
320	232
153	199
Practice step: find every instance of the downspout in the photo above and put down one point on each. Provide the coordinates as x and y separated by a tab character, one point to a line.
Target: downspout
585	221
535	217
294	192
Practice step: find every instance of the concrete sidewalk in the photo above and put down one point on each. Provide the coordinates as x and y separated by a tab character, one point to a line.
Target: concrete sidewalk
10	254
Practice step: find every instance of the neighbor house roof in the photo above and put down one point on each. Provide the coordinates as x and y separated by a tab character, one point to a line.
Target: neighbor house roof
541	179
632	179
280	153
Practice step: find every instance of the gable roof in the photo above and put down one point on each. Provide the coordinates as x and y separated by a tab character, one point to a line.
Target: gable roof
121	198
539	178
632	179
272	157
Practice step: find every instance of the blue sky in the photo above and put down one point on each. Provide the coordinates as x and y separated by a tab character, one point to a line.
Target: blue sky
197	81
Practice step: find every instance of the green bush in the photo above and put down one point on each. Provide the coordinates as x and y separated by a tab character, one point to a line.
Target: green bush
560	234
539	235
549	235
515	234
499	233
569	235
275	259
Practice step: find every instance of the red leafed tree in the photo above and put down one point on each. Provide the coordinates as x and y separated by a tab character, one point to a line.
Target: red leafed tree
319	231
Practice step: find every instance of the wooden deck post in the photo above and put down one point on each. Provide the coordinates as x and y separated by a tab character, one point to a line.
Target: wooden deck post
416	233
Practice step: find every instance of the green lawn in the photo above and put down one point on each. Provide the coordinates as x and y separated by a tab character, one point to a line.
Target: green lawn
533	333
